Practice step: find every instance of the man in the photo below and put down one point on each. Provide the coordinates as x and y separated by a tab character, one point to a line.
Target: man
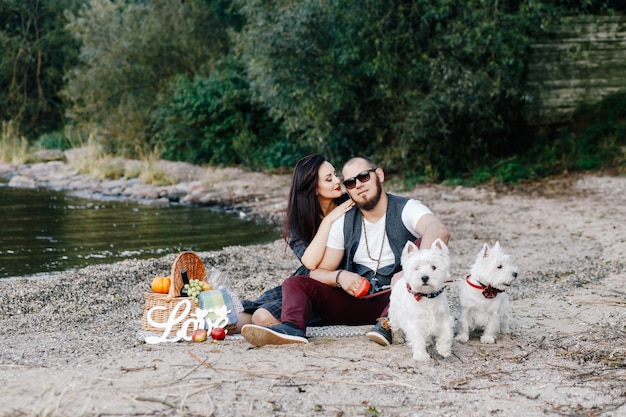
366	242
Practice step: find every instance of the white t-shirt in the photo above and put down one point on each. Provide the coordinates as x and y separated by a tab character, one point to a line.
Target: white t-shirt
411	213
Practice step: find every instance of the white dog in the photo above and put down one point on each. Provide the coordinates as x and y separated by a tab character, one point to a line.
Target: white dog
418	302
483	302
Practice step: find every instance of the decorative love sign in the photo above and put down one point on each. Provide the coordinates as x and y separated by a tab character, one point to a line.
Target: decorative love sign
198	320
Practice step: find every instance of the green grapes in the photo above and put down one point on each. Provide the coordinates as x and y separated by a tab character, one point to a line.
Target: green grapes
194	288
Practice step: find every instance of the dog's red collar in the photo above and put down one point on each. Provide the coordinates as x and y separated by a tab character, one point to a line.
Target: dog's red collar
418	295
488	290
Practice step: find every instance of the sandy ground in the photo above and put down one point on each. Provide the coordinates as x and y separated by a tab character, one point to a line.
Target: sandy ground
70	344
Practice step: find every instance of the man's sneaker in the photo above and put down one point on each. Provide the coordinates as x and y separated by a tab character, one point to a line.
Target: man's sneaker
381	333
279	334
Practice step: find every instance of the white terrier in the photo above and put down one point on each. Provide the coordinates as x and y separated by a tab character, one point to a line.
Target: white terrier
418	302
483	302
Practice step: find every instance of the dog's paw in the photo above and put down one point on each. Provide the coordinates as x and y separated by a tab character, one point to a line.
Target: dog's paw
398	336
462	337
421	356
444	351
486	338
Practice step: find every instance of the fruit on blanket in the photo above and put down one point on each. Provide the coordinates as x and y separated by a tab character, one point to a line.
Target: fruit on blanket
199	335
218	333
161	285
363	289
206	286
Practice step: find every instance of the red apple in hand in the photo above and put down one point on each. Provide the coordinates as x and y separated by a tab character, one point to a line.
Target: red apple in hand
199	335
218	333
364	288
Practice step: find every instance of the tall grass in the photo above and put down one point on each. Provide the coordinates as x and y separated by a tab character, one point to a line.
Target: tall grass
13	149
152	172
91	159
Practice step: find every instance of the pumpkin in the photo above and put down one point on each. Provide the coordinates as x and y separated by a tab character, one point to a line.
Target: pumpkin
161	285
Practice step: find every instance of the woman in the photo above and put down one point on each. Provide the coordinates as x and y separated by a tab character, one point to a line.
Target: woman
315	202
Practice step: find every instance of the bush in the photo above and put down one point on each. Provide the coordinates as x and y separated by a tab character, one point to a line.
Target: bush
210	119
420	85
54	140
594	141
116	85
37	50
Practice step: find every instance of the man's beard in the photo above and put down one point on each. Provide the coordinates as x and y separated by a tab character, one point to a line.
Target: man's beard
368	205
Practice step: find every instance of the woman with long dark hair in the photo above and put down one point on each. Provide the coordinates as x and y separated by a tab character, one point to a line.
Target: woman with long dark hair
315	202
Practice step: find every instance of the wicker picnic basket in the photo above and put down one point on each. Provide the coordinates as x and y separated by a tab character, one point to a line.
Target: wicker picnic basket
195	270
162	315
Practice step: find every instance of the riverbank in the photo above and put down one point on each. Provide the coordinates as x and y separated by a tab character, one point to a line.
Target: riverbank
71	347
252	194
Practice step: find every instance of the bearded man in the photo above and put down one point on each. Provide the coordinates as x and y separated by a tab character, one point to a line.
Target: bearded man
365	243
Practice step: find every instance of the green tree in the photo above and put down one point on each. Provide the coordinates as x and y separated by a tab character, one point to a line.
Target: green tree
130	50
310	64
211	119
35	52
423	85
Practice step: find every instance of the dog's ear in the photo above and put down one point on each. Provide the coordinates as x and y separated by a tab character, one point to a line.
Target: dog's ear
409	247
439	244
485	250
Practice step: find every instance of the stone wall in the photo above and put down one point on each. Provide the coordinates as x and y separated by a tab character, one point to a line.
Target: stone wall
579	62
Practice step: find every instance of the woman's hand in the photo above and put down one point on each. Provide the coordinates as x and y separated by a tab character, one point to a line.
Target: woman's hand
339	211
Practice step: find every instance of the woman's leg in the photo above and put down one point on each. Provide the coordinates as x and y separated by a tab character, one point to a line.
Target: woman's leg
262	310
242	320
263	317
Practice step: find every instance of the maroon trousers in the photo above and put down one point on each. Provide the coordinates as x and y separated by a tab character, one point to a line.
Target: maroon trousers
303	295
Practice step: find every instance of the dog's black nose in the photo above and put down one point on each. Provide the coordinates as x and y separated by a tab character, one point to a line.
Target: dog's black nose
514	274
424	279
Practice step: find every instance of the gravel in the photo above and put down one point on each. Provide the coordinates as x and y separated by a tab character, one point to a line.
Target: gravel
566	354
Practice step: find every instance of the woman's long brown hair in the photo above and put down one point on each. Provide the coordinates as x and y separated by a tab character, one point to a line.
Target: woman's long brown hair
304	212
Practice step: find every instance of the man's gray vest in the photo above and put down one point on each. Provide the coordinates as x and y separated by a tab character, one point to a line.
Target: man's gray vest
397	235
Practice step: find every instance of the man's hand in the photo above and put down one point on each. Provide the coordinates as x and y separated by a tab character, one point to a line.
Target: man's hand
396	277
350	282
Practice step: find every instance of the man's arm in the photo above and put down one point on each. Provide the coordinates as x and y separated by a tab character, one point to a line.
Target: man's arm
431	229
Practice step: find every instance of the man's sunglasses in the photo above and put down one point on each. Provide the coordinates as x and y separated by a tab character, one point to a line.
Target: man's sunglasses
364	176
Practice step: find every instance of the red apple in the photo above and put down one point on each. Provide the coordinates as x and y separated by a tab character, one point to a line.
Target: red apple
199	335
364	288
218	333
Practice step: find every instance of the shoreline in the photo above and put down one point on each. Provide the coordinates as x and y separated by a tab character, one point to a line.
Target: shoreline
252	195
227	190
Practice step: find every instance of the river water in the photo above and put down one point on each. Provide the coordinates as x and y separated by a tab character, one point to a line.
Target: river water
44	231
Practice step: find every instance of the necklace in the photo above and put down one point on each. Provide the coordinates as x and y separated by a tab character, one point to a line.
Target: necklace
367	246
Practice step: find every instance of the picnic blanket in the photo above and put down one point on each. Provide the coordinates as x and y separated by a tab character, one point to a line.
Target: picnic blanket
216	300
